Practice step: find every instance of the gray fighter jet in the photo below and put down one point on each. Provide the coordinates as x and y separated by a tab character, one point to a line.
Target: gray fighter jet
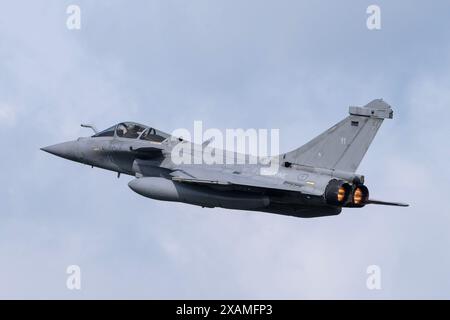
317	179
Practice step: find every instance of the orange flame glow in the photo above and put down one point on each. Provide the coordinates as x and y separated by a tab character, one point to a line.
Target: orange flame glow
341	194
357	196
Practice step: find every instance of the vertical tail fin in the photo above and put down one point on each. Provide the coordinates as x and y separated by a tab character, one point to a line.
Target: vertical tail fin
343	146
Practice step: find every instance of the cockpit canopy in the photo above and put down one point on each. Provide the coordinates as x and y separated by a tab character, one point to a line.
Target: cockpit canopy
132	130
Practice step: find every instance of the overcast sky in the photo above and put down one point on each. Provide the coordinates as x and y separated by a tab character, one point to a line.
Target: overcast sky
291	65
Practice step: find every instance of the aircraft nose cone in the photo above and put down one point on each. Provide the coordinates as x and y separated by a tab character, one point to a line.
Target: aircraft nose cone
67	150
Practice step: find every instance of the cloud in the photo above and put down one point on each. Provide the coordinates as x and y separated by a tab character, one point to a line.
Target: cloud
290	65
7	115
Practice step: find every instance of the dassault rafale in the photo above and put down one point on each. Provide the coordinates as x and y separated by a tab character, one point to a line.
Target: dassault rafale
314	180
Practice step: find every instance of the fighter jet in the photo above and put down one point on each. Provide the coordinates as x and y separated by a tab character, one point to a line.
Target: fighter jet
318	179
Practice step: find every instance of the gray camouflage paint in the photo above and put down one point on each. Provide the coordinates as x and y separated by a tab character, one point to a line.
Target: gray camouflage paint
305	185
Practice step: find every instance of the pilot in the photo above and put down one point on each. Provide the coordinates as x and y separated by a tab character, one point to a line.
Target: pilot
121	130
